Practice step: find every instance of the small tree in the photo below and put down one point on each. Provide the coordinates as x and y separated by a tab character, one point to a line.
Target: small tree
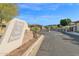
68	21
7	12
35	31
65	22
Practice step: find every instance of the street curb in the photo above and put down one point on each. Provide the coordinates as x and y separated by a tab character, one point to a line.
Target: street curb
32	50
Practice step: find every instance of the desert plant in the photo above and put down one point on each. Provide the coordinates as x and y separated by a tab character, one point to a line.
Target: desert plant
35	31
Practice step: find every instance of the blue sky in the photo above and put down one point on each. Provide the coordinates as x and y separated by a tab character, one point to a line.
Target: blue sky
48	13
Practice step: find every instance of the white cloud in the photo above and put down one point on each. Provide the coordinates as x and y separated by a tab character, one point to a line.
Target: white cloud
40	6
30	6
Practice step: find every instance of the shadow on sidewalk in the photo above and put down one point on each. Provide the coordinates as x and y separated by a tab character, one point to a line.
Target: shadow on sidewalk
75	39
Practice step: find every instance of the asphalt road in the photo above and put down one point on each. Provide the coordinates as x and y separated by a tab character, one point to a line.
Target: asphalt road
58	44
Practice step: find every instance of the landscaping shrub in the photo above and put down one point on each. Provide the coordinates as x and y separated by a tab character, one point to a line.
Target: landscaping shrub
35	31
77	31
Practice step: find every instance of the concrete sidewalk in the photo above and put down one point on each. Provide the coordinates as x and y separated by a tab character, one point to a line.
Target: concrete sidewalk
74	33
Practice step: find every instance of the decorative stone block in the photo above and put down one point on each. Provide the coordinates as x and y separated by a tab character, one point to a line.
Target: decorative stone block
13	36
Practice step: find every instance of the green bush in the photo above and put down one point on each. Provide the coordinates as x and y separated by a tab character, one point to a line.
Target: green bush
35	29
77	31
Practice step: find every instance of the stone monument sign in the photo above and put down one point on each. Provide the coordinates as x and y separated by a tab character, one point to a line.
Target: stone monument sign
13	36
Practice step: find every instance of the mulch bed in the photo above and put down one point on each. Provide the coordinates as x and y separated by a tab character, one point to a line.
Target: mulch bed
19	51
